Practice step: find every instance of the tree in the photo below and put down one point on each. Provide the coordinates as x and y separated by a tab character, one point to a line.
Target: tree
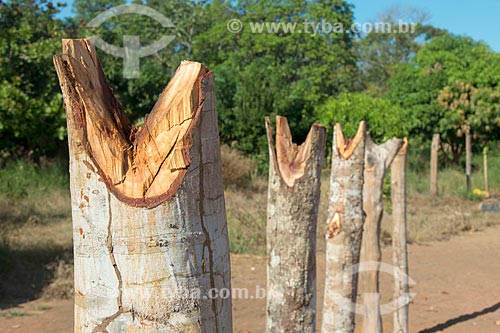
278	72
381	52
437	90
31	115
386	120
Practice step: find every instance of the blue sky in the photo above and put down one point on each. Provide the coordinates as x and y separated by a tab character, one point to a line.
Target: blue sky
479	19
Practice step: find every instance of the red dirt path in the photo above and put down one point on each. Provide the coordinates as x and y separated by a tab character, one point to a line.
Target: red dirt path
458	290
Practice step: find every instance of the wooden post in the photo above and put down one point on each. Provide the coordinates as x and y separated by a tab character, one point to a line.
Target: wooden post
149	223
378	158
399	237
485	163
344	231
434	164
292	214
468	157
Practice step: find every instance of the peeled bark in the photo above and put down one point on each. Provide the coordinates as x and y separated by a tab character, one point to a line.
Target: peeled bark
378	158
434	164
344	231
399	238
149	222
292	213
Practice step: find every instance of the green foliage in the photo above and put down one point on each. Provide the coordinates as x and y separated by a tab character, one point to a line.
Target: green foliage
280	73
385	120
19	178
31	115
410	82
450	86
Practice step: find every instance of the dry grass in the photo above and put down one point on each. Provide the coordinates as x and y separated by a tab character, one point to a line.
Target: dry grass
36	245
236	168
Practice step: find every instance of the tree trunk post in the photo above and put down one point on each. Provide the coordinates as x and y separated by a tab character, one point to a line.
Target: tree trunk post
378	159
344	231
149	222
485	163
292	214
399	237
434	164
468	157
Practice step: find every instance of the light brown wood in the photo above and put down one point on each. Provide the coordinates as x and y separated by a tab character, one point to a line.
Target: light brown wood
142	166
399	238
292	159
378	159
344	227
145	259
292	213
434	164
346	146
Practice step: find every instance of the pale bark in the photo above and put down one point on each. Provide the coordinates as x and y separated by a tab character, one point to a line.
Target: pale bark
149	223
378	158
434	164
344	231
468	162
399	237
292	213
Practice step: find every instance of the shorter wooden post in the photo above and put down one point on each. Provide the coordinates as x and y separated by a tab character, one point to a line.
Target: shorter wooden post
434	164
344	231
468	156
399	237
485	161
292	214
378	159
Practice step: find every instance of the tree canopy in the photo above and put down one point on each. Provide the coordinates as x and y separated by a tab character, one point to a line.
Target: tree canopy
418	83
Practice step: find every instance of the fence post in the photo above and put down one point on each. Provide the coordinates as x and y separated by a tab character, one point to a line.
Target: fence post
149	223
434	164
468	157
485	163
292	213
344	230
399	237
378	159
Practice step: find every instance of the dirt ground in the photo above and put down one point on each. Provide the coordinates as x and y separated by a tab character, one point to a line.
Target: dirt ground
457	287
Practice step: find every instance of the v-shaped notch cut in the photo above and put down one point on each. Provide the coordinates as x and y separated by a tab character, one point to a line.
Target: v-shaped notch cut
142	166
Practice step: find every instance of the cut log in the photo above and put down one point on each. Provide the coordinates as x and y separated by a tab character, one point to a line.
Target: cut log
434	164
344	231
378	159
149	222
292	214
399	238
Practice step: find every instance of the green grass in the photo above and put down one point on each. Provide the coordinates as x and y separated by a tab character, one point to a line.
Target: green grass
20	179
452	181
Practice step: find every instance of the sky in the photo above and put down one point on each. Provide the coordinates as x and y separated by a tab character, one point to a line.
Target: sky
479	19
